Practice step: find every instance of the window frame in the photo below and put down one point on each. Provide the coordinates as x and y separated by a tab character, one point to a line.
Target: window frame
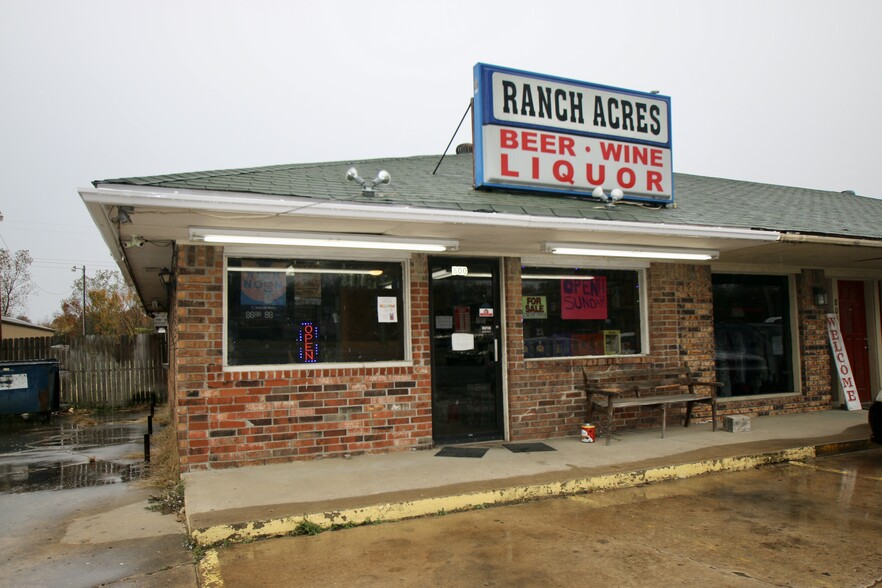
793	310
403	258
639	267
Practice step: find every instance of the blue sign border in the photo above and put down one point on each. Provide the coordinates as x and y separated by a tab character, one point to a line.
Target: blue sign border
483	115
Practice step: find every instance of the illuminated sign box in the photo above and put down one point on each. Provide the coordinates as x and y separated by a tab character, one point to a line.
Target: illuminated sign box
542	133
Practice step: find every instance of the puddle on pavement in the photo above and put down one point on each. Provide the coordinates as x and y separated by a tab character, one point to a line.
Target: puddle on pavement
64	454
61	476
82	439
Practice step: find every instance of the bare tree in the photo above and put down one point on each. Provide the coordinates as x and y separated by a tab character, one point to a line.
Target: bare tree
111	308
16	286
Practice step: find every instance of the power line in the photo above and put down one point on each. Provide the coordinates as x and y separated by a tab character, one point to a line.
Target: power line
64	264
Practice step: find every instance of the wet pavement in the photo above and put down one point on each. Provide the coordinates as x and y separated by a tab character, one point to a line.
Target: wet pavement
71	451
73	507
816	522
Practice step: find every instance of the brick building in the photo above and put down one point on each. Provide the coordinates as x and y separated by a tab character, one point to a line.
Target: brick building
449	319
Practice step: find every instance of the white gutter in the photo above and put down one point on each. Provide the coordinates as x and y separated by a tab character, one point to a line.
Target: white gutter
286	205
822	240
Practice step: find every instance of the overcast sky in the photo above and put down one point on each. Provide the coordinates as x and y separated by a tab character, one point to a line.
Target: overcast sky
781	92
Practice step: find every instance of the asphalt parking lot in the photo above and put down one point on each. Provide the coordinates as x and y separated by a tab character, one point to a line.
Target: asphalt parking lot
812	523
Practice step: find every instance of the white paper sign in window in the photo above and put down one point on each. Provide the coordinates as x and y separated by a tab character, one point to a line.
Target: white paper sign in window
387	309
462	342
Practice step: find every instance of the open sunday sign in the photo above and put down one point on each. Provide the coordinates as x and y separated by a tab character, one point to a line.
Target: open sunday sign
537	132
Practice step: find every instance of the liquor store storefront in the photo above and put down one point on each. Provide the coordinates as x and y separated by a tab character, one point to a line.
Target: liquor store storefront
453	300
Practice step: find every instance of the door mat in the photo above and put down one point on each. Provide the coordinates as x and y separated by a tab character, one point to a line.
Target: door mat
527	447
462	452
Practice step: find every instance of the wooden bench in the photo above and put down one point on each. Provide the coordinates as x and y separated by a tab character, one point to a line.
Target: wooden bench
638	387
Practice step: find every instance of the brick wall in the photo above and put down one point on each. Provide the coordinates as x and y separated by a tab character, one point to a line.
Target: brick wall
814	351
228	419
546	398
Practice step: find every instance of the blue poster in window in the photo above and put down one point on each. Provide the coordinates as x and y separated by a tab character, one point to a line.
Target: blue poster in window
263	289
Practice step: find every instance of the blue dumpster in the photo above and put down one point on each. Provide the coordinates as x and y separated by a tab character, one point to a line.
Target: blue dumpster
29	386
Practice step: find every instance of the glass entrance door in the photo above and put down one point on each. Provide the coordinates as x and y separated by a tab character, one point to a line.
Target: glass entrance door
466	350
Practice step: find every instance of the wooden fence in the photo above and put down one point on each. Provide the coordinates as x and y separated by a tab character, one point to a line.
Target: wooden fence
97	370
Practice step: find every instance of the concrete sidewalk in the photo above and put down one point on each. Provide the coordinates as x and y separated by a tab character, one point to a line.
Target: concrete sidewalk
258	501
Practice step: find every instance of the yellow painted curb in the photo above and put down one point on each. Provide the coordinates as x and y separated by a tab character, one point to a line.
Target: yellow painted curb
438	505
208	571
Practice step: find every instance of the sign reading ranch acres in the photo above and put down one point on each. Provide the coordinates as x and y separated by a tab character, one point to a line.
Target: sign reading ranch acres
537	132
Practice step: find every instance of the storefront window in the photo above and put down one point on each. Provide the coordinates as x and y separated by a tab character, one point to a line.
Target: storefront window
301	312
576	312
752	334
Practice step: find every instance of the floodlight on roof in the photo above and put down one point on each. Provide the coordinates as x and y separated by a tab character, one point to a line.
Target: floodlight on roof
367	186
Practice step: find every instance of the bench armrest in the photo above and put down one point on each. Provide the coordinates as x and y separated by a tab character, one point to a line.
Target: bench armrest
608	392
711	385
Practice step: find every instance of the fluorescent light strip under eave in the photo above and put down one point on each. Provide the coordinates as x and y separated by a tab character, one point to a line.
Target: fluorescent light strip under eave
326	242
554	277
282	270
683	255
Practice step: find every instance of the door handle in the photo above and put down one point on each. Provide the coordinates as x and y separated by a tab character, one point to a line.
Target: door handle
495	349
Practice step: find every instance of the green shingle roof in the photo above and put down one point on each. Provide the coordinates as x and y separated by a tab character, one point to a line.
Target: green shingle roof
699	200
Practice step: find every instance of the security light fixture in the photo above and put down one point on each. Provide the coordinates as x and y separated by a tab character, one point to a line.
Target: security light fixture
124	214
633	251
820	296
609	199
166	277
134	241
367	186
332	240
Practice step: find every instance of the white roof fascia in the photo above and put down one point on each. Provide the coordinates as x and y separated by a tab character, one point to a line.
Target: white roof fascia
206	200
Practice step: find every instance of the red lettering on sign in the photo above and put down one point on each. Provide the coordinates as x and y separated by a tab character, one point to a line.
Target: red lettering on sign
547	143
566	146
563	171
308	335
508	139
540	142
613	151
626	177
505	171
599	178
653	181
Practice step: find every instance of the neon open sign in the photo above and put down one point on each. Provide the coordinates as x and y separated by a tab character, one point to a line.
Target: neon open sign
308	345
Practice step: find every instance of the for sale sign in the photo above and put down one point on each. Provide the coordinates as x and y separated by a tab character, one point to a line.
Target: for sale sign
537	132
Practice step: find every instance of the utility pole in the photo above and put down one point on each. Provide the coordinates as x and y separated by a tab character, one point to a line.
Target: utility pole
73	269
1	294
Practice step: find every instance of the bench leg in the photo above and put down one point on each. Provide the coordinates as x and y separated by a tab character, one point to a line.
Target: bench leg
609	421
714	413
688	414
664	419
